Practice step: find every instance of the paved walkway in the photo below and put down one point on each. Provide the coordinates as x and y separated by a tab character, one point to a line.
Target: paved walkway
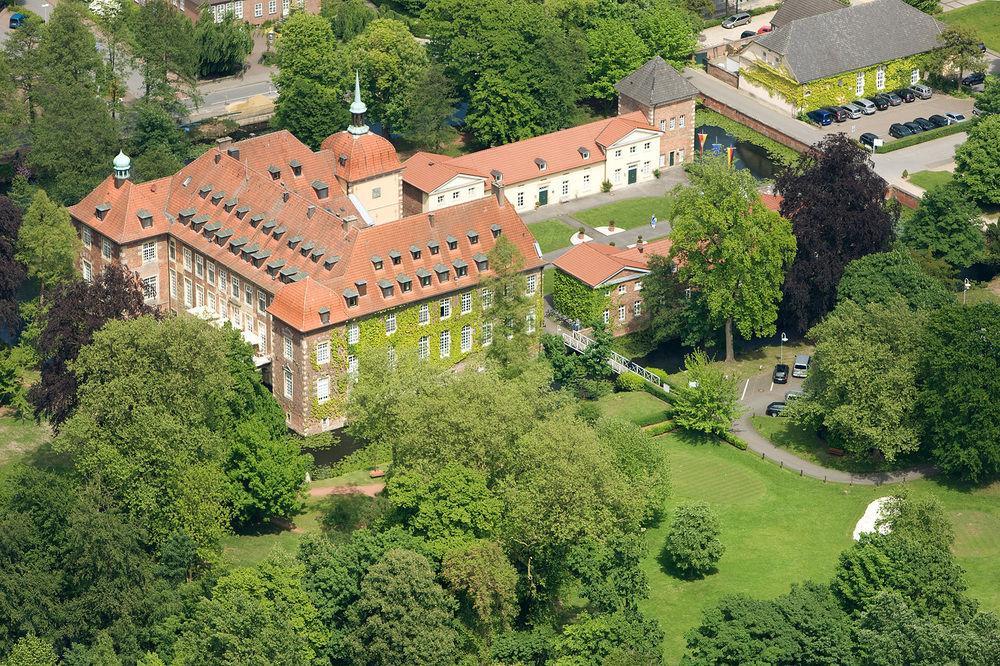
759	393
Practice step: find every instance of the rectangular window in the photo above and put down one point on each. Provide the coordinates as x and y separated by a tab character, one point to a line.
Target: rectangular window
235	287
239	9
88	270
606	317
199	295
532	284
424	316
455	195
586	180
618	153
322	390
172	249
682	121
859	84
106	250
618	175
880	78
631	149
223	279
673	123
187	258
353	333
424	348
663	125
445	308
638	286
287	346
531	322
211	273
467	302
466	338
237	319
487	333
390	357
188	292
323	352
621	313
487	297
390	324
376	193
272	6
440	198
645	146
286	7
622	289
173	283
261	301
258	9
288	383
914	76
352	365
637	308
88	236
199	265
444	347
565	187
520	199
212	302
248	294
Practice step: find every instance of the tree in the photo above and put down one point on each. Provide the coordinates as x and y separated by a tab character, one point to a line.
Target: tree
391	61
13	109
47	244
947	224
614	50
731	247
926	6
958	51
502	111
165	49
429	107
988	101
886	276
309	110
830	230
710	401
669	31
24	57
403	615
115	20
861	388
32	651
692	544
675	311
959	416
623	637
486	584
68	49
11	271
223	46
79	309
347	17
157	162
510	308
977	161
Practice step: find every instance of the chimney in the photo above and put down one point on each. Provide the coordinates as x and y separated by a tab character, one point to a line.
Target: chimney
497	187
218	157
233	152
310	209
430	219
639	243
284	196
223	141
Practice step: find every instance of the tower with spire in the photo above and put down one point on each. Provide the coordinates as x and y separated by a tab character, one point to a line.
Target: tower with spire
358	110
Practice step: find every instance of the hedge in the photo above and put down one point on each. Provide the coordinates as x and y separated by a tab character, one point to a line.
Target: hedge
661	428
628	381
732	439
929	135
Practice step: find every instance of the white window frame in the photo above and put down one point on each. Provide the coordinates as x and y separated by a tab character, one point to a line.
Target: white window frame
199	265
148	252
880	78
353	333
199	295
424	348
188	261
173	283
621	313
859	84
188	292
622	288
532	284
466	341
172	249
424	315
444	307
486	296
272	7
915	76
390	323
287	349
673	123
323	352
289	383
238	9
87	236
487	333
258	10
530	319
467	302
286	7
87	269
210	272
444	344
520	199
106	250
352	365
322	390
637	309
606	316
682	121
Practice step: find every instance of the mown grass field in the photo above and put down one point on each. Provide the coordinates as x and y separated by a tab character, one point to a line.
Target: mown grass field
628	214
982	17
638	407
19	438
930	179
551	234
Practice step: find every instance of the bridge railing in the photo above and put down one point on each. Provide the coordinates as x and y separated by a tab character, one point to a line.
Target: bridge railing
579	342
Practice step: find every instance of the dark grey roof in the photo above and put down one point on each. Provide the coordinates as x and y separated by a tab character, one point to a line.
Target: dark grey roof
852	38
276	263
792	10
655	83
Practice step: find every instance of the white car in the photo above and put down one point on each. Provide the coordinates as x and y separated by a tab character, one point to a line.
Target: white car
954	118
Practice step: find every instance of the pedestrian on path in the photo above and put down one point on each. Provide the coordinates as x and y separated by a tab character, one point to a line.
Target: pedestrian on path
652	221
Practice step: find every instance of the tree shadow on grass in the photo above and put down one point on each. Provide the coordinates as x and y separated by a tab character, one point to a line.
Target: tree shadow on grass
695	438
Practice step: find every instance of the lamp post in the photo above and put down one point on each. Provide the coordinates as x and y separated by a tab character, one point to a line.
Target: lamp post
965	290
781	346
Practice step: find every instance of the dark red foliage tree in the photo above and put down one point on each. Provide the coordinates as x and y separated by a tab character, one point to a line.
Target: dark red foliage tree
838	210
11	272
76	311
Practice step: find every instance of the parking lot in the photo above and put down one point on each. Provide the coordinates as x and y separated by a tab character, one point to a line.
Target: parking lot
879	123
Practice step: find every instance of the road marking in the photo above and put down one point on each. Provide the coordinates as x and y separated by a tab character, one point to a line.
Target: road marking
745	387
772	387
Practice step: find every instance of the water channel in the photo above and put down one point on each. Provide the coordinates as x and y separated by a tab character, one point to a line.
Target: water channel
748	156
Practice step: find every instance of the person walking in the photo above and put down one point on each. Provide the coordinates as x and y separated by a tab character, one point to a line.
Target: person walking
652	221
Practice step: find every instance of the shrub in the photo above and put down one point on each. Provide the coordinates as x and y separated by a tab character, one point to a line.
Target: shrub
692	546
656	173
660	428
589	412
734	440
606	186
629	382
592	389
352	511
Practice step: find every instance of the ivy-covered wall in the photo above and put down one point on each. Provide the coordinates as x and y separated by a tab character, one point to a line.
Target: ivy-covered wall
576	300
834	90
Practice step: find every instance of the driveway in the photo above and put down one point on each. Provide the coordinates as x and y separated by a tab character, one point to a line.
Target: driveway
717	35
936	155
880	121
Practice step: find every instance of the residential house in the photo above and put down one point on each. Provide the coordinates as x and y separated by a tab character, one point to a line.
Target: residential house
835	56
254	12
792	10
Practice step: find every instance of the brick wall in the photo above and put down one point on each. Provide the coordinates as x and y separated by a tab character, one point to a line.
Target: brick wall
626	299
755	124
680	140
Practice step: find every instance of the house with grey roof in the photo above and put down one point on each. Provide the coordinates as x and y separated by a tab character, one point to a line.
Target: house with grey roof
792	10
835	56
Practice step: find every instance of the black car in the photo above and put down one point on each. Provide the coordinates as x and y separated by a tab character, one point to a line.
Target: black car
775	409
780	374
906	94
913	127
747	33
939	120
839	114
868	139
881	102
899	131
973	79
894	99
924	124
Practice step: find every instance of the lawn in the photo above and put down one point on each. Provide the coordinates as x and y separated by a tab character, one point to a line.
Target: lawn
551	234
20	437
982	18
929	179
780	528
638	407
627	214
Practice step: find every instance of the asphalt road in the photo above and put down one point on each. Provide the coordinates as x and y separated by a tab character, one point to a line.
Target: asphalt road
41	7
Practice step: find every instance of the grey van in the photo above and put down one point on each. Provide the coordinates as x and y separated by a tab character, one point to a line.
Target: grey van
801	366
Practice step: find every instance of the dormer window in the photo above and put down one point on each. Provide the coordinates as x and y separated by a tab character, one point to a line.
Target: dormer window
433	246
204	190
461	268
442	272
405	283
342	159
386	288
473	237
482	261
230	204
186	182
274	171
198	221
330	262
414	251
352	300
307	247
540	163
296	167
322	189
255	219
377	262
267	226
145	218
424	276
452	242
217	197
294	240
395	257
495	230
584	153
242	211
101	210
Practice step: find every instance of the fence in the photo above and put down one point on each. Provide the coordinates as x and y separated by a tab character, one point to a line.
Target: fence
579	342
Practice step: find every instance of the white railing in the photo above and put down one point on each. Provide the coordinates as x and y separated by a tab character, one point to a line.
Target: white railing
579	342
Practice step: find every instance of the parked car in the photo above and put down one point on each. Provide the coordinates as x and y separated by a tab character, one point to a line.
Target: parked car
793	395
957	117
775	409
800	368
820	117
939	120
780	374
976	111
894	99
853	111
913	127
921	91
736	20
906	95
868	139
881	102
867	106
17	20
924	124
764	29
974	79
899	130
747	33
839	113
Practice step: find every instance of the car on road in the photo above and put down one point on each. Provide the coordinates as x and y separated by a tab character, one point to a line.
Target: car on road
974	79
780	374
853	111
906	95
800	368
899	130
820	117
793	395
868	139
747	33
881	102
736	20
976	111
894	99
913	127
867	106
775	409
939	120
924	124
956	117
922	91
17	20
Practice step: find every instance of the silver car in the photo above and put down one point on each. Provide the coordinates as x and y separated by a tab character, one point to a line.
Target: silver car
867	106
800	368
736	20
921	91
853	111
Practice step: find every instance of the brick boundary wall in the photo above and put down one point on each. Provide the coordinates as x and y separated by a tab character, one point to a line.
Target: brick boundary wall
754	124
905	198
723	75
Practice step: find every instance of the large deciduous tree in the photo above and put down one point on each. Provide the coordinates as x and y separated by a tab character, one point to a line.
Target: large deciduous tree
732	248
614	50
959	51
959	399
347	17
885	276
831	229
675	311
429	107
692	545
988	101
24	57
47	244
948	225
977	161
165	49
511	306
710	401
223	46
11	270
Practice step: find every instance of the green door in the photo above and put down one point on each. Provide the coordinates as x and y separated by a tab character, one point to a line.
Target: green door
633	173
543	197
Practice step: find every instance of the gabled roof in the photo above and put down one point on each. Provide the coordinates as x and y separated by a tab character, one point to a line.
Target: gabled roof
655	83
559	151
596	263
792	10
428	171
851	38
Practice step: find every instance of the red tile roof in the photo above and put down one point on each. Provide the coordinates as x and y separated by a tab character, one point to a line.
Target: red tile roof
428	171
594	263
361	156
560	150
772	201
